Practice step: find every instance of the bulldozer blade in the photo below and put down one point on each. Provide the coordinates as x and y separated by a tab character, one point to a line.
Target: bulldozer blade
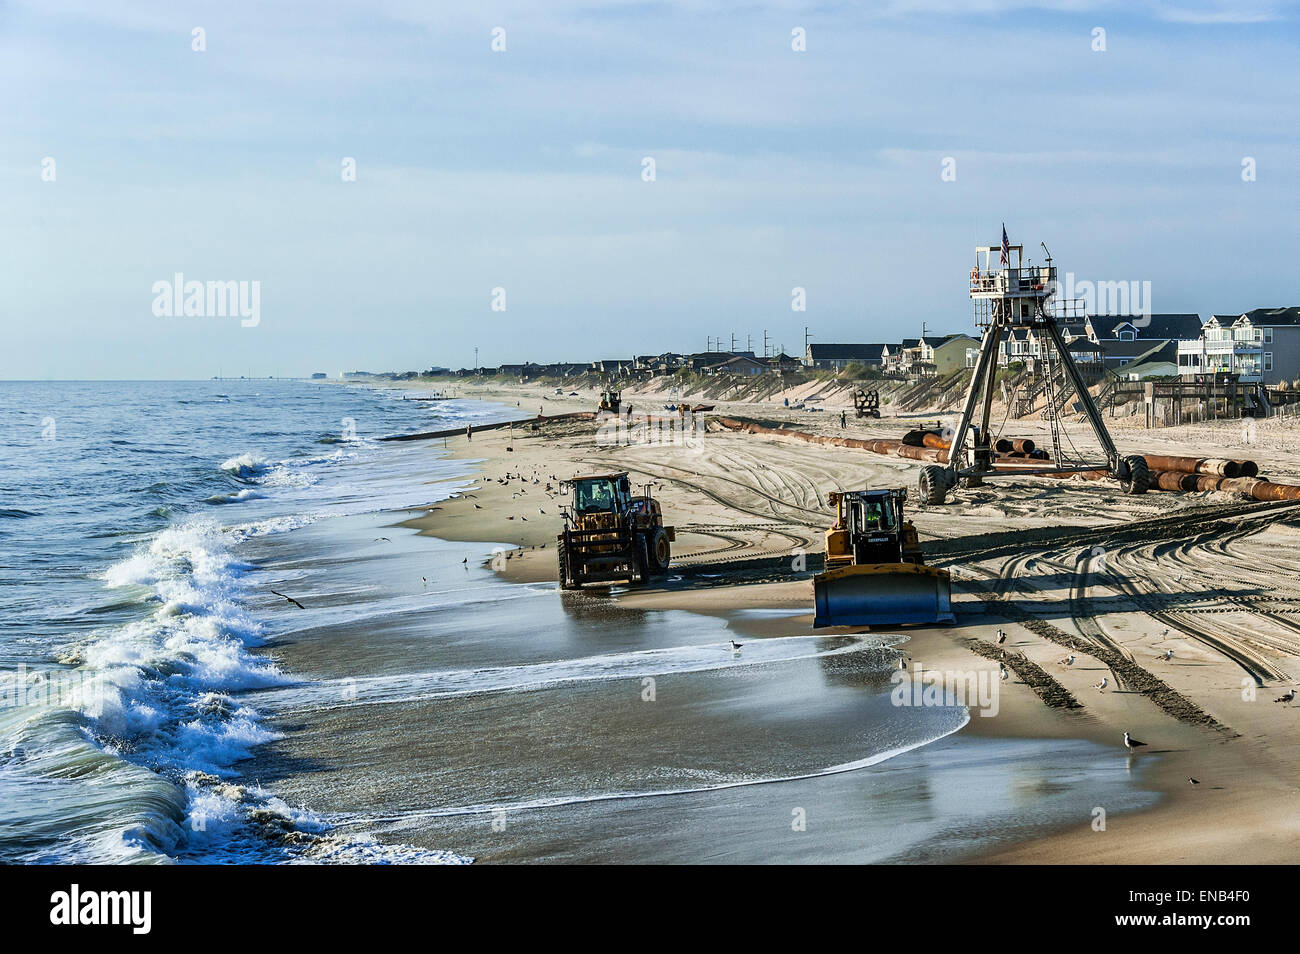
886	594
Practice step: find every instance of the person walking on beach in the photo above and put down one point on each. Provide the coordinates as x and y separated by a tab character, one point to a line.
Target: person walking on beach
844	421
469	432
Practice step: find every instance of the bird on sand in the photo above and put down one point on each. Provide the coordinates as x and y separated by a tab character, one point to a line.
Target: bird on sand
1002	637
1287	696
1003	674
735	646
1131	743
477	507
1167	655
1194	781
541	511
1101	686
1068	660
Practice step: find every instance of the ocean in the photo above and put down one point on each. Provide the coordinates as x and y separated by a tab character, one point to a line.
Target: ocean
166	698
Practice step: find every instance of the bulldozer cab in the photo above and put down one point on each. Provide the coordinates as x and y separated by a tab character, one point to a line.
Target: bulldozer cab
872	519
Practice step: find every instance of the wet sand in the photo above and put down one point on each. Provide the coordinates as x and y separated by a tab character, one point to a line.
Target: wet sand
443	707
1212	579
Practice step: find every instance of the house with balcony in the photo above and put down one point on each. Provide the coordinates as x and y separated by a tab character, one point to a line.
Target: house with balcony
947	354
784	362
1262	345
1019	345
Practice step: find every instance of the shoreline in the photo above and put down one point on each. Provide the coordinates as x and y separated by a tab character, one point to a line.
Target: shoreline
1232	809
1242	803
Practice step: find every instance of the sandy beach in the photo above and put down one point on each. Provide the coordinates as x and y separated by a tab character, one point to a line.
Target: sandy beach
1061	566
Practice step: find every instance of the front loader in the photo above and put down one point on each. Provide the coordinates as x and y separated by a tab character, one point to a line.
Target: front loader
610	535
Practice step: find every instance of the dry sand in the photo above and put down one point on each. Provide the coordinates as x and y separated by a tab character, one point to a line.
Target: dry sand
1212	577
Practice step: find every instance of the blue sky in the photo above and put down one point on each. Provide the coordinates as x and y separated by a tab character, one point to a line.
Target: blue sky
523	170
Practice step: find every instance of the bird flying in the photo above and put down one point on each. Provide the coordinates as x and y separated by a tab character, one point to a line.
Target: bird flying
300	606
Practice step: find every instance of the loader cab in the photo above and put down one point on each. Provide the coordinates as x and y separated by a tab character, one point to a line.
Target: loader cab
607	494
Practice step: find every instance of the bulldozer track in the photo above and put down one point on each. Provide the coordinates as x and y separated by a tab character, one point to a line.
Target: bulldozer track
1088	625
1138	678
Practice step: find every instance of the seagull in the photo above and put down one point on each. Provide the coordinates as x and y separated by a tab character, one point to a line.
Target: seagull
1068	660
465	560
1101	686
1167	655
377	539
1194	781
1286	696
541	511
1002	637
1002	672
424	580
1131	743
300	606
477	507
735	646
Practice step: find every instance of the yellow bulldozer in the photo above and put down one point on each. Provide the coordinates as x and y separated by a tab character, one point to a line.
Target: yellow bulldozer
875	571
610	534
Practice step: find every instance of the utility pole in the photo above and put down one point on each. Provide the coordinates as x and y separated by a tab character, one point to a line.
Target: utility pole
766	354
708	343
476	359
733	342
749	342
806	336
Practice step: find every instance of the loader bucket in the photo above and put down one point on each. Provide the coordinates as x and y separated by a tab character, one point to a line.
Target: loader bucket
883	594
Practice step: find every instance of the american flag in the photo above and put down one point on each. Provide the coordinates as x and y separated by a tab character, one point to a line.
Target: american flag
1006	246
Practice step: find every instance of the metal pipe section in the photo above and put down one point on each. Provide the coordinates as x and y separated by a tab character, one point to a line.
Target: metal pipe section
1178	481
1232	478
1212	466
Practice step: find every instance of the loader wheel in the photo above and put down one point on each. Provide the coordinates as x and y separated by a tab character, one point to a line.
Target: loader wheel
660	551
933	484
1135	476
562	558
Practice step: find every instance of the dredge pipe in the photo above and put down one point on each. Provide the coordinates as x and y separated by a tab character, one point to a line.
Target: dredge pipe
1212	466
